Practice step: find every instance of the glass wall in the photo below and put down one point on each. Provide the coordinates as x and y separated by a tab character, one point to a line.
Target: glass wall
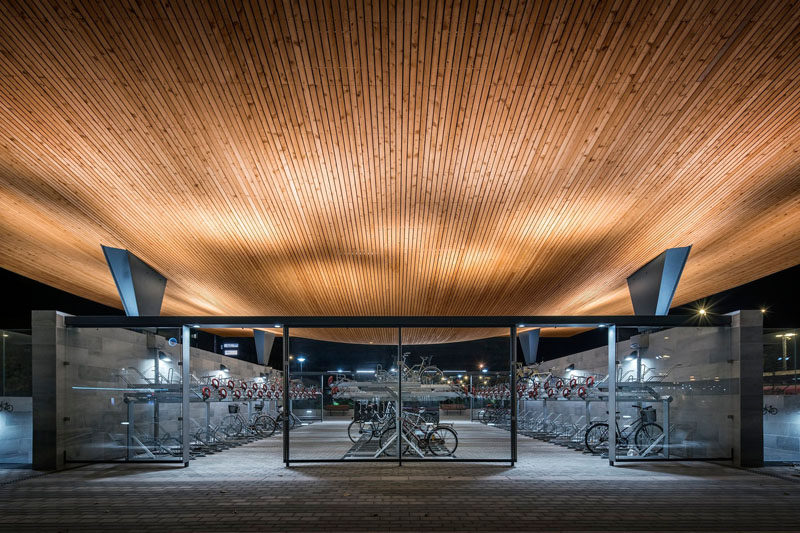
675	395
15	362
122	395
781	409
369	382
457	395
343	394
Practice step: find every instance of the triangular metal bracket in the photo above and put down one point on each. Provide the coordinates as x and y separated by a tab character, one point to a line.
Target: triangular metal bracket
530	345
140	286
264	341
653	286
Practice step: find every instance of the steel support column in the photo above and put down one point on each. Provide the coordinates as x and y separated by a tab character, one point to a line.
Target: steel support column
286	395
612	394
399	395
512	364
186	427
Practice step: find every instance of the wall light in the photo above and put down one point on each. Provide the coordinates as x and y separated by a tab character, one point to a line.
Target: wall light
570	368
164	357
223	368
631	356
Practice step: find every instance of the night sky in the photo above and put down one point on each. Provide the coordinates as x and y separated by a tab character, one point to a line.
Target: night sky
777	293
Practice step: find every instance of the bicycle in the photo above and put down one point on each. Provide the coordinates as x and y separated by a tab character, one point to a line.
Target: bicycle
6	406
294	421
374	426
439	439
646	434
234	424
770	410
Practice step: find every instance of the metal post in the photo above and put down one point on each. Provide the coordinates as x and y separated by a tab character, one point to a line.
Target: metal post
471	400
399	395
286	395
512	360
156	380
208	421
612	393
130	429
186	382
666	428
322	397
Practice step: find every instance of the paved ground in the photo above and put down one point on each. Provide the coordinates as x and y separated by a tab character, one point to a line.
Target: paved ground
551	489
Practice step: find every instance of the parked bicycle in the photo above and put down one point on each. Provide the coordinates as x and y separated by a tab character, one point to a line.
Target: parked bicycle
438	439
373	425
234	424
647	435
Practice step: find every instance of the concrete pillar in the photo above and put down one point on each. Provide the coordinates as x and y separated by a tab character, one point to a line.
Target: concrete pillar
747	349
48	356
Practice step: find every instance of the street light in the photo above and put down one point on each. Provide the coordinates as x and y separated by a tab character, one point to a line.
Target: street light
301	360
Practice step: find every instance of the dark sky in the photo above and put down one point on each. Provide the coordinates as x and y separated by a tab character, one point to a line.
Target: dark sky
777	293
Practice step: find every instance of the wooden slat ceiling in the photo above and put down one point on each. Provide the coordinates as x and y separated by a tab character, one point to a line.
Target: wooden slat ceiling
399	158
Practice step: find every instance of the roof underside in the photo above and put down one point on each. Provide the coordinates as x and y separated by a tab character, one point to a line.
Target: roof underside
399	158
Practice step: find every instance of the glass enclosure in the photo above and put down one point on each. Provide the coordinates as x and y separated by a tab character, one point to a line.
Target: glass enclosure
397	381
676	393
342	394
451	409
412	394
781	396
122	394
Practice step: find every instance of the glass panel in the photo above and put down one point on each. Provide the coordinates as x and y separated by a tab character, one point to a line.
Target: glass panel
354	370
16	408
15	369
781	396
122	394
456	396
675	395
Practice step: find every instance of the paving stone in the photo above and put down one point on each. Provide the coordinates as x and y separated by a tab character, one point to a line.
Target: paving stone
551	489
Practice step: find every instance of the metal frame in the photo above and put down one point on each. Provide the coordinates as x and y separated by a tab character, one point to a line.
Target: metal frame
186	323
394	321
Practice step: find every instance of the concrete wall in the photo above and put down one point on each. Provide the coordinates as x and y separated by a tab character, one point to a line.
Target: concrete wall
700	369
16	430
82	377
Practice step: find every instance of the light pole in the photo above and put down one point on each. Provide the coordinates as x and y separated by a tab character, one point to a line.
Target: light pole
301	360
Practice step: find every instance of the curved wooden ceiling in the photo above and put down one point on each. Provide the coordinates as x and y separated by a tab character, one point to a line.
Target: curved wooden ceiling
399	158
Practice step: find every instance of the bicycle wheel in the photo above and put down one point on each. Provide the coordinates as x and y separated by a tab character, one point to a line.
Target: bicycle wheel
442	441
231	426
596	438
356	430
431	375
647	435
264	425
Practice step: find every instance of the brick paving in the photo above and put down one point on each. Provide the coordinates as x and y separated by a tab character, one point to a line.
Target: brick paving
551	489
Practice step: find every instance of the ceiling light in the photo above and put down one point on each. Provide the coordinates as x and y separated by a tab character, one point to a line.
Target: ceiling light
702	311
